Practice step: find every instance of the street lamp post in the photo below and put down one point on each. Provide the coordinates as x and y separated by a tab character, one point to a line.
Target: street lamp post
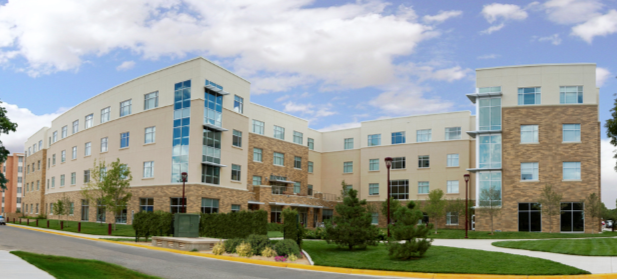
184	175
388	161
466	176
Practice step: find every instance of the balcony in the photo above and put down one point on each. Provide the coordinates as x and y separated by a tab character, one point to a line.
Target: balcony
279	190
215	87
474	96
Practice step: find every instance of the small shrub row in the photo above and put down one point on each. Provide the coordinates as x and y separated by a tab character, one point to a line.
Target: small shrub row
157	223
234	225
260	245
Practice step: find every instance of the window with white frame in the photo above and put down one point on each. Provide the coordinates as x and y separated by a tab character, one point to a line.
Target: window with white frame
310	143
398	137
125	108
87	150
235	208
64	133
570	94
53	182
399	189
53	160
297	187
571	170
374	218
398	163
373	164
423	187
55	136
124	140
452	218
151	100
258	127
209	206
423	135
490	151
279	159
298	138
73	179
453	133
347	167
89	120
309	190
86	176
62	157
571	132
75	126
149	169
279	132
490	114
529	133
529	96
257	154
256	180
374	140
237	138
74	153
236	172
373	189
61	180
297	162
348	143
452	187
452	160
238	104
529	171
310	167
150	135
105	114
490	180
424	161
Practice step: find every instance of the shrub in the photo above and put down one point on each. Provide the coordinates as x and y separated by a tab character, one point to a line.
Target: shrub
258	243
406	228
218	248
234	225
292	258
280	258
318	233
244	250
287	247
353	224
268	252
231	244
275	227
292	229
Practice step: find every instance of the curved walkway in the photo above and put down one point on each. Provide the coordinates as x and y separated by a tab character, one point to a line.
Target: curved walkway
592	264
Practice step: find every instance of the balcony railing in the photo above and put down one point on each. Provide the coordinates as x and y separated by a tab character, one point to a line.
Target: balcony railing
279	190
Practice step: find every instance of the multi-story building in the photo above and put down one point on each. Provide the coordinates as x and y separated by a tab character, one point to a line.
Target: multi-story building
197	117
13	170
36	168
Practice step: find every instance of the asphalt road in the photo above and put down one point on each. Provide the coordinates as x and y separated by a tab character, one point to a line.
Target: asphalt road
157	263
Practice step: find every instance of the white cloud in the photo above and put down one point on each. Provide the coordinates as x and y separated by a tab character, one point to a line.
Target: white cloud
282	98
315	111
126	65
342	126
493	28
602	25
609	175
572	11
441	16
428	72
407	100
553	39
28	123
602	74
501	13
488	56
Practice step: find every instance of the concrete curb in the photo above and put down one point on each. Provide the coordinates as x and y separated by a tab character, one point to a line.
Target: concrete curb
350	271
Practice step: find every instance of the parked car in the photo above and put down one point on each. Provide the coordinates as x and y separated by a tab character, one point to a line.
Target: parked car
609	224
2	222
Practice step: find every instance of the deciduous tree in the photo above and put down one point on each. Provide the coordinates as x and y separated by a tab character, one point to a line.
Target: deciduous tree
6	126
551	204
436	206
490	203
593	208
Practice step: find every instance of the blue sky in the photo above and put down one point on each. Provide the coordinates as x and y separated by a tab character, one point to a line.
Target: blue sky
334	63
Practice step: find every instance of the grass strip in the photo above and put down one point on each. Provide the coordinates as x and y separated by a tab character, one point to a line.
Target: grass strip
438	259
86	227
582	247
460	234
71	268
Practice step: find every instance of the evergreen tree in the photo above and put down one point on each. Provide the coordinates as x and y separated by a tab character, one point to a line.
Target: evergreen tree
407	229
352	227
394	205
6	126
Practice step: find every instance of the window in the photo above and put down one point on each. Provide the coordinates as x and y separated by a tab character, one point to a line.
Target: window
423	135
210	174
529	171
238	104
38	185
237	138
310	190
452	160
373	164
88	122
276	214
175	205
125	108
38	165
48	184
298	162
570	94
258	127
453	133
150	135
87	151
424	161
149	169
73	179
374	218
572	217
75	126
349	143
529	217
327	214
64	134
374	140
235	172
55	136
279	159
310	167
423	187
311	144
529	133
53	159
62	157
213	103
571	132
53	182
297	187
490	151
373	189
124	140
398	137
151	100
298	138
146	204
211	151
86	176
398	163
490	114
105	114
452	218
121	216
209	206
452	187
74	153
48	163
62	180
257	154
399	189
529	96
490	180
571	170
279	132
347	167
256	180
104	144
40	145
235	208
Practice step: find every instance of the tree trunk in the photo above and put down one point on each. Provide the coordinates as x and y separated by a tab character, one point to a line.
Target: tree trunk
492	228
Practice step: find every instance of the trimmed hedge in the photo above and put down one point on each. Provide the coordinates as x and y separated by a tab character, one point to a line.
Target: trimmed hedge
158	223
275	227
292	229
234	225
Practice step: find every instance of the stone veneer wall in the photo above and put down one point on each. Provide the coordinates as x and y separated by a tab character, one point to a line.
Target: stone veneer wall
36	196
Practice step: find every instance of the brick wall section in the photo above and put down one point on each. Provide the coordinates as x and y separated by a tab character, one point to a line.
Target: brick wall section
34	197
550	153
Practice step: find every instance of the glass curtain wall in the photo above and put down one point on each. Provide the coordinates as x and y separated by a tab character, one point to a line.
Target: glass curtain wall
213	113
182	121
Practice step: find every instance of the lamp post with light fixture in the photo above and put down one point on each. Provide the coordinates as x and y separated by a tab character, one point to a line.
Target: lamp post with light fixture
184	175
466	176
388	161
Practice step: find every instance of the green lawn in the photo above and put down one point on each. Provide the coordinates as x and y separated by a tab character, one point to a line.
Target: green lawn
69	268
275	234
86	227
438	259
456	234
584	247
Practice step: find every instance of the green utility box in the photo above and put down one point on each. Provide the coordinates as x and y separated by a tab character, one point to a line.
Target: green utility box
186	225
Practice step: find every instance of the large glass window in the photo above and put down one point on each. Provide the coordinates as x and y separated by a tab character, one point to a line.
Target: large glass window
452	218
488	181
88	149
490	114
423	187
297	162
105	114
373	164
175	205
63	135
374	140
146	204
236	171
210	174
124	140
529	171
297	187
89	120
213	112
398	137
373	189
237	138
452	160
349	143
257	154
104	144
121	216
209	206
125	108
181	130
529	96
75	126
309	190
453	133
399	189
452	187
101	213
347	167
279	159
327	214
211	146
424	161
423	135
311	144
258	127
151	100
490	151
570	94
571	170
310	167
86	176
85	206
398	163
298	138
74	153
572	217
374	218
73	180
279	132
529	217
571	132
150	135
238	104
529	133
149	169
276	214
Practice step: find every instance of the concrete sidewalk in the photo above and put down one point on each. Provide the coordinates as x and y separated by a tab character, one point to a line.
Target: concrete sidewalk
69	233
13	267
592	264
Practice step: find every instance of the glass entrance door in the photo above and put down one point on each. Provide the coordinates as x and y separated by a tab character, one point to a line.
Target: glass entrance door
529	217
572	217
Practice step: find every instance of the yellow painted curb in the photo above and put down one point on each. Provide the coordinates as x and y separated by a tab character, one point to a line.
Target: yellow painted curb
340	270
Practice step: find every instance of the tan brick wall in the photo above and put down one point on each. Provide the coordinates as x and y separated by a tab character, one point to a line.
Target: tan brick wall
550	153
34	197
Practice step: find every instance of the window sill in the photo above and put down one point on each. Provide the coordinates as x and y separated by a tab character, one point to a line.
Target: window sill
423	194
530	180
377	196
424	168
451	224
122	148
398	169
237	147
258	162
529	143
87	156
149	143
235	181
278	165
570	142
453	193
454	167
297	169
147	178
373	171
572	180
345	173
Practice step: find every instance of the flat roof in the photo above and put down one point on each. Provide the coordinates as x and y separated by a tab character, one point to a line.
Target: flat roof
537	65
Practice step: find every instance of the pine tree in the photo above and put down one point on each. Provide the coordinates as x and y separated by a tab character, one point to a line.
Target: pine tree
352	227
407	229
